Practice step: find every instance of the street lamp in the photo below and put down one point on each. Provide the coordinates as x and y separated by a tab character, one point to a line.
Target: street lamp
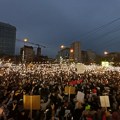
105	52
24	40
62	46
71	50
61	56
71	54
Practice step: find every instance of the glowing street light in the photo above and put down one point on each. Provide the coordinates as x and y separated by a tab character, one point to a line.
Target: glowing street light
105	52
25	40
62	46
71	50
105	55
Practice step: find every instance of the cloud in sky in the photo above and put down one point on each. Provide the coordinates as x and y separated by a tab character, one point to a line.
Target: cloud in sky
55	22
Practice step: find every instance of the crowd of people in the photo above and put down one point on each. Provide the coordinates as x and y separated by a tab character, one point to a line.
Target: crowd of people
49	82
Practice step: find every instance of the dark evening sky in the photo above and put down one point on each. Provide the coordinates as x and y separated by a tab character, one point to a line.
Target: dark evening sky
56	22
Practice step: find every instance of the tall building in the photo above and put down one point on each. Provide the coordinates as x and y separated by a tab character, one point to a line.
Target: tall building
75	51
27	54
65	53
38	52
7	39
84	57
113	57
88	56
91	56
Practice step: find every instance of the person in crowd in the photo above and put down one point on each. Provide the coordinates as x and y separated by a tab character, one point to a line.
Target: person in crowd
116	114
49	81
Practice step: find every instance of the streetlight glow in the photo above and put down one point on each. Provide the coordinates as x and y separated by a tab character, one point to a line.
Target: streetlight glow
105	53
25	40
71	50
62	46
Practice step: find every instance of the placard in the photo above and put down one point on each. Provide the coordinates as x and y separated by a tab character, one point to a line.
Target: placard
80	97
31	102
69	90
104	100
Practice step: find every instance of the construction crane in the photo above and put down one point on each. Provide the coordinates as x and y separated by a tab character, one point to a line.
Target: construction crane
38	45
26	41
35	44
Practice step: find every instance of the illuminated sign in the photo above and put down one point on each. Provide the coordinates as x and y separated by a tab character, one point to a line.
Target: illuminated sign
105	64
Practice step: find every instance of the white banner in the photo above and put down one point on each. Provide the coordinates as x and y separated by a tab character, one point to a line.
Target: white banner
104	100
80	97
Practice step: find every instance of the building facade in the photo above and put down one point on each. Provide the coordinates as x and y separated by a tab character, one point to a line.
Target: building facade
38	52
88	57
64	54
91	56
113	57
75	51
27	54
7	39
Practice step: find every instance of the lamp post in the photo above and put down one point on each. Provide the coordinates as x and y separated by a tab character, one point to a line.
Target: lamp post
105	54
71	54
24	40
61	55
62	46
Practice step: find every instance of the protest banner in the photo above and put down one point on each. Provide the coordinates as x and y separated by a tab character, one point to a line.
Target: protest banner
31	102
104	100
80	97
69	90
